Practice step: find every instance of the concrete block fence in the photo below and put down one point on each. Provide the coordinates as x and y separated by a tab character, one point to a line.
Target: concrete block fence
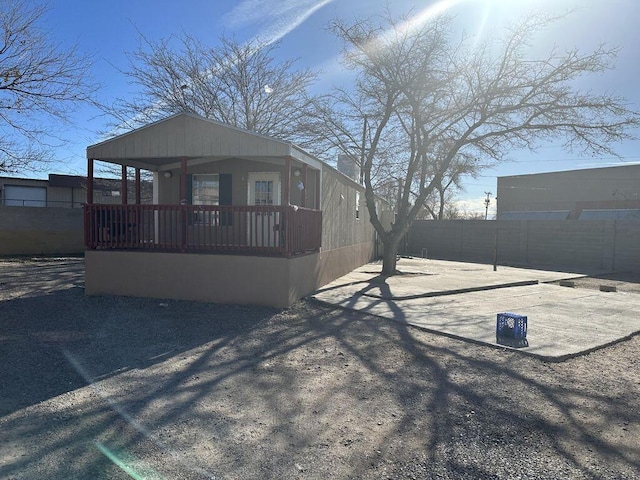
586	245
40	231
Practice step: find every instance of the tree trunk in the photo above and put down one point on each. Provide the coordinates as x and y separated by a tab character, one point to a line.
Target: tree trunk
389	257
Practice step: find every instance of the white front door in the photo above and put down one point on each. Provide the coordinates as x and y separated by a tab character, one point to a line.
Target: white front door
264	190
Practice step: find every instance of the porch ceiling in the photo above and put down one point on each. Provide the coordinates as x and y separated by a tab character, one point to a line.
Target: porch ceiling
162	145
170	163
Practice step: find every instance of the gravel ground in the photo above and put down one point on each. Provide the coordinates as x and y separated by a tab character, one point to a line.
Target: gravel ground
120	388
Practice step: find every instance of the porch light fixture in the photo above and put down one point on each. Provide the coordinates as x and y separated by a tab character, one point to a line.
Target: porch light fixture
296	172
167	174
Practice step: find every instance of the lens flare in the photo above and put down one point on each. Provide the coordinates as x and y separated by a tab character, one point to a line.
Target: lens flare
147	474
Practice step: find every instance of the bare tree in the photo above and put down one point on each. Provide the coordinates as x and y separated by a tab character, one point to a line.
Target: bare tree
41	82
432	104
438	203
238	84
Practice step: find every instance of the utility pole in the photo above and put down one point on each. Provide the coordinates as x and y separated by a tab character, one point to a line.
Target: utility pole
487	201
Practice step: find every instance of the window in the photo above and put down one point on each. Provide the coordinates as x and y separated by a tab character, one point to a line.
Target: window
264	192
212	189
206	189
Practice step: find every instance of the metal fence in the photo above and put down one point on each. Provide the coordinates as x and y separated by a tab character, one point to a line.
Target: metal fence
18	202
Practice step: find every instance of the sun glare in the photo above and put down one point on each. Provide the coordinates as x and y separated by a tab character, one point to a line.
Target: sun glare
430	12
481	17
477	18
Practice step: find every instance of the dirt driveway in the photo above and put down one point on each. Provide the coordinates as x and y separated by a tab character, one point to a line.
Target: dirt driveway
120	388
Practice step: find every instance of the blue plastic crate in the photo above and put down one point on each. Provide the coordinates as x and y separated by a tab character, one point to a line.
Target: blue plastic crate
511	325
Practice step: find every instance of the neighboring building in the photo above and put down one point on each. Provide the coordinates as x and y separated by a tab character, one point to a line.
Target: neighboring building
28	228
58	191
594	193
64	191
236	217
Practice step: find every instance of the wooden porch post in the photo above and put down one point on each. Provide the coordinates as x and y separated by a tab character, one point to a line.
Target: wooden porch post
183	200
87	214
125	199
287	182
304	183
286	201
183	181
138	195
89	181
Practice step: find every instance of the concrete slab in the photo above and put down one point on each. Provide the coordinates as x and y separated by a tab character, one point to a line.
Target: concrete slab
462	300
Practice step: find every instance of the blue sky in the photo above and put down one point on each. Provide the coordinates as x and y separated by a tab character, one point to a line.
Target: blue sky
109	29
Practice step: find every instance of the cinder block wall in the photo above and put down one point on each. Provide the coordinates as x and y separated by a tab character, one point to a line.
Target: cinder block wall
610	245
40	231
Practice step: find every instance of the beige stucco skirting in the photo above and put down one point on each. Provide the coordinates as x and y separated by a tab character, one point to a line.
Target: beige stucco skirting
271	281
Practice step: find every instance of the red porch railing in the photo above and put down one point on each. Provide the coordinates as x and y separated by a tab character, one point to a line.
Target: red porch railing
269	230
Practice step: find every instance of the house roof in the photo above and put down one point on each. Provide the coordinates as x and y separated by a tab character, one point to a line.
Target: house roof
535	215
611	214
628	169
162	144
67	181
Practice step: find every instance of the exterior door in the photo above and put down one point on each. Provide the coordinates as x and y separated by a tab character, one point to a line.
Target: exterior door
25	196
264	190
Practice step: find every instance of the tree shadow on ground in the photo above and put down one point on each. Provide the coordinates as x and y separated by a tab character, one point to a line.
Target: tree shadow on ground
208	391
111	335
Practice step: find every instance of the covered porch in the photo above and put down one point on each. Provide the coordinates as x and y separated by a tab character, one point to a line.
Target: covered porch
216	189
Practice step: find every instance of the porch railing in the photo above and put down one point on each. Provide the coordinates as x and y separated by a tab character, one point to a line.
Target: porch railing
269	229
